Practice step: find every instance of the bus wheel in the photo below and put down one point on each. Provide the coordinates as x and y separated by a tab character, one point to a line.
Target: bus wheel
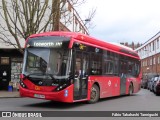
95	93
130	91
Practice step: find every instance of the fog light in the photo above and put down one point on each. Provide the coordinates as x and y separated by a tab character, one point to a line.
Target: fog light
58	89
61	87
65	95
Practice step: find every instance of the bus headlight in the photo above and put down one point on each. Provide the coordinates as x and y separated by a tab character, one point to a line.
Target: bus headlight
61	87
22	84
54	84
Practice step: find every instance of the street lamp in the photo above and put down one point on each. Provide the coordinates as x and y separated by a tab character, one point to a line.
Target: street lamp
87	21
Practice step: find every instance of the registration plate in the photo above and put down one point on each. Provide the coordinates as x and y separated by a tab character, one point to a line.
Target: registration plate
39	96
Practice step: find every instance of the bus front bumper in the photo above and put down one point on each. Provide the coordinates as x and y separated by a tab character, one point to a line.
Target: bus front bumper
65	95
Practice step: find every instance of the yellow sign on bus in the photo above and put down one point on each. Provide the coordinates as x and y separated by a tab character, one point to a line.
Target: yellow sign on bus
37	88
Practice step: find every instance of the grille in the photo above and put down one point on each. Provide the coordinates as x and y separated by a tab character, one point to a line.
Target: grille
41	82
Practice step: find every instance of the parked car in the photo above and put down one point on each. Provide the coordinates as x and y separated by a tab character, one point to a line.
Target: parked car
156	87
150	83
155	79
150	78
144	82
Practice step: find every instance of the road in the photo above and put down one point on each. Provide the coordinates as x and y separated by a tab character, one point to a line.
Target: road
141	101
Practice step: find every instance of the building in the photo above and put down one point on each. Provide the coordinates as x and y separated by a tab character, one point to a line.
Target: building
71	21
132	45
11	59
10	67
149	53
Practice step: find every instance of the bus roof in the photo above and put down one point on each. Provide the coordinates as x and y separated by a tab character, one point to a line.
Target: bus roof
92	41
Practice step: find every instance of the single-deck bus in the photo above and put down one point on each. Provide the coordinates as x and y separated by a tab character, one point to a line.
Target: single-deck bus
72	67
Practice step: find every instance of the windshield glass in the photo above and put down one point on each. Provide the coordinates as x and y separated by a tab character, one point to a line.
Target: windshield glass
46	61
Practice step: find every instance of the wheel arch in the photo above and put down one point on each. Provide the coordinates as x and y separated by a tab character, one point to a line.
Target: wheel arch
98	87
96	83
131	83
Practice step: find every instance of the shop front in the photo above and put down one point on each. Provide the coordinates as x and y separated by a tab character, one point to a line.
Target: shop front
10	68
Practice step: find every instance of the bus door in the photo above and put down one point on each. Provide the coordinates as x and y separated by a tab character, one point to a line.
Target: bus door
123	76
81	75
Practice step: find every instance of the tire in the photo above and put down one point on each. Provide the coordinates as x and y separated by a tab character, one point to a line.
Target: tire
130	90
157	94
95	94
154	91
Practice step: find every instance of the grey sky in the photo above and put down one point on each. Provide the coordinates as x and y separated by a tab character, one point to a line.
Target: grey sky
124	20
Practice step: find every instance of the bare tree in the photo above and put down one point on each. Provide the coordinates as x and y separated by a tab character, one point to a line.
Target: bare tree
70	18
88	21
21	18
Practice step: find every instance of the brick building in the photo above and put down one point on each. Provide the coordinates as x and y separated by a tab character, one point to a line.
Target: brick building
149	53
131	45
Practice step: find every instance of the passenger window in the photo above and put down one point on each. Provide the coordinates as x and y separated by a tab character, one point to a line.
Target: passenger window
96	64
108	67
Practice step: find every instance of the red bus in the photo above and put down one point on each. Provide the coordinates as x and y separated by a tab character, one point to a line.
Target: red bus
72	67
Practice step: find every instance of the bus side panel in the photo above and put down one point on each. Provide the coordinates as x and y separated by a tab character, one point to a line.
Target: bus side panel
116	86
137	84
109	86
128	81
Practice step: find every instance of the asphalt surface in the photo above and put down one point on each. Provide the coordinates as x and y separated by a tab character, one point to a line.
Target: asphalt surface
144	100
141	101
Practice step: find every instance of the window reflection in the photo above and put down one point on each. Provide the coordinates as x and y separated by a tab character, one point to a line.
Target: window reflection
47	61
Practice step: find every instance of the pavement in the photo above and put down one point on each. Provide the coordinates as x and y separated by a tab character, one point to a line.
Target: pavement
9	94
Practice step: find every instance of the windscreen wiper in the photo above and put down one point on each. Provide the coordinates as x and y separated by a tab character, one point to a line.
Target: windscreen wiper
28	75
42	74
50	75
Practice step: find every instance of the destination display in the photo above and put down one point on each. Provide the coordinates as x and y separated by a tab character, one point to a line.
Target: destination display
48	41
47	44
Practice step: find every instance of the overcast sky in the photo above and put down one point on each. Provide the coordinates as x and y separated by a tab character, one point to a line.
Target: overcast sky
123	20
